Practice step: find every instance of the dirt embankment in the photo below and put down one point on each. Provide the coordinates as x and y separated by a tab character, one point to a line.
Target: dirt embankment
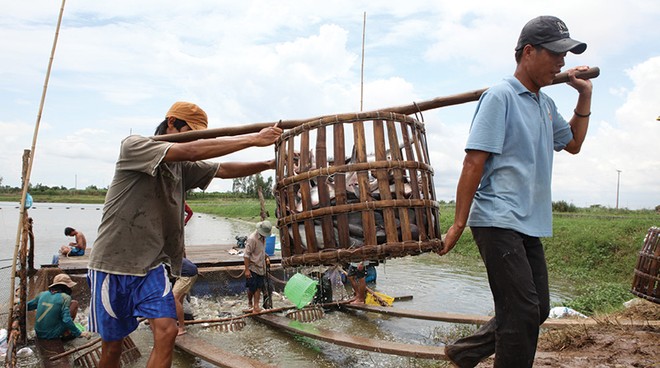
610	344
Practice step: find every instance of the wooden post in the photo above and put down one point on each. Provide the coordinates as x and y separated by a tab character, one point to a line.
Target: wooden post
22	258
30	257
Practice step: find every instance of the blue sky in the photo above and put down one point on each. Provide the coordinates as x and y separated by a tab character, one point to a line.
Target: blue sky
119	66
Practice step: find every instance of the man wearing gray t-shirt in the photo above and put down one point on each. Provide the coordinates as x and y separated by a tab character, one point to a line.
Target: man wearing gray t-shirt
141	230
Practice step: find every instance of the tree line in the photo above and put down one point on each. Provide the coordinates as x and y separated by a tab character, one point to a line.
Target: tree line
246	187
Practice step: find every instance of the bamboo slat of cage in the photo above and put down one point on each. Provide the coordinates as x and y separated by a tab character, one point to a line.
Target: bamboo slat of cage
389	250
358	207
432	213
349	168
339	154
327	227
280	155
291	196
383	182
305	191
297	239
646	281
368	220
424	228
653	250
399	185
412	175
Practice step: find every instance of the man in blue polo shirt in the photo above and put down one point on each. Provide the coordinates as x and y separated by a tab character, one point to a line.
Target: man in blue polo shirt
504	191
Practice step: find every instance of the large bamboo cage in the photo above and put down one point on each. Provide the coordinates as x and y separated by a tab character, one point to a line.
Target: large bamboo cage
646	283
355	187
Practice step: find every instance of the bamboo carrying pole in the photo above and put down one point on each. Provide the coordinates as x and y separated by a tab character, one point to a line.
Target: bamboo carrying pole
26	179
404	109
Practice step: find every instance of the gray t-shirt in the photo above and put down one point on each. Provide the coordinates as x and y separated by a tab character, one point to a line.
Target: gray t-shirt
142	223
255	251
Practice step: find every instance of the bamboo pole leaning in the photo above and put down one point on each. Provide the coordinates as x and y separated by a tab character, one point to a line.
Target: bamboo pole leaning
26	178
435	103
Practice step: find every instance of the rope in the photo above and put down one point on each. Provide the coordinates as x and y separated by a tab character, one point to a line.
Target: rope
418	111
236	277
274	278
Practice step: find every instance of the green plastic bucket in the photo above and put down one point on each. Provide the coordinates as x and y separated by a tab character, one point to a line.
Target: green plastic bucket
300	290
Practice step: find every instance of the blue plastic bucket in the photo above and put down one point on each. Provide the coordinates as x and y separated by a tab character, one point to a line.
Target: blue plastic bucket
270	245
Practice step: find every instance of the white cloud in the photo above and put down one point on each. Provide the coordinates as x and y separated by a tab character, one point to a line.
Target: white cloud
120	65
624	143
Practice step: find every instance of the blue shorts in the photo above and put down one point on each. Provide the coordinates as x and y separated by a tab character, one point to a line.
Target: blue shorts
118	300
76	252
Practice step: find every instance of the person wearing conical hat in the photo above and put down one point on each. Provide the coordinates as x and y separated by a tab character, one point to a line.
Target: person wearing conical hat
255	259
56	311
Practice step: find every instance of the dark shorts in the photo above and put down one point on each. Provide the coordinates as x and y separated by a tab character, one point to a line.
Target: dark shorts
358	274
255	282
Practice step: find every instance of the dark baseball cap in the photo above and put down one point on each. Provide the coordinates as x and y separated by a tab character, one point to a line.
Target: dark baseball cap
551	33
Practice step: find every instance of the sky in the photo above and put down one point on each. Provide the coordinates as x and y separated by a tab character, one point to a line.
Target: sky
118	66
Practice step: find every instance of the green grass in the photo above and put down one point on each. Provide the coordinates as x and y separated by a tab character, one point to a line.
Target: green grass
594	249
244	208
55	198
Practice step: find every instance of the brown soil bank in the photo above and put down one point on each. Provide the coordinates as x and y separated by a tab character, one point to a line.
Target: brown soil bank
607	345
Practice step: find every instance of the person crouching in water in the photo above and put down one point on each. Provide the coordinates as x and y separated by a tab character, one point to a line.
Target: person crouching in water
255	263
56	311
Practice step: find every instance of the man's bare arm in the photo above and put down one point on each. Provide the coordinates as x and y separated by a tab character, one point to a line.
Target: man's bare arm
209	148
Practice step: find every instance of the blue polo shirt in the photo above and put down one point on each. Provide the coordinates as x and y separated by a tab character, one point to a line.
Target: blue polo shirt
521	130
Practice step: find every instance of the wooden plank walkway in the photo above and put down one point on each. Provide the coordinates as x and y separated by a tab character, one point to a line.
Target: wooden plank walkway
351	341
207	255
215	355
480	320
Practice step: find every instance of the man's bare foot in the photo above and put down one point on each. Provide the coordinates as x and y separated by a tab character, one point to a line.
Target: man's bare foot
181	332
357	301
256	310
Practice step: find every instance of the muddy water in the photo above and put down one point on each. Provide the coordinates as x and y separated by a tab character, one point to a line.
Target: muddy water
436	284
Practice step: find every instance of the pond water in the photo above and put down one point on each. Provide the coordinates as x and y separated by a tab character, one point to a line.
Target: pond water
436	284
